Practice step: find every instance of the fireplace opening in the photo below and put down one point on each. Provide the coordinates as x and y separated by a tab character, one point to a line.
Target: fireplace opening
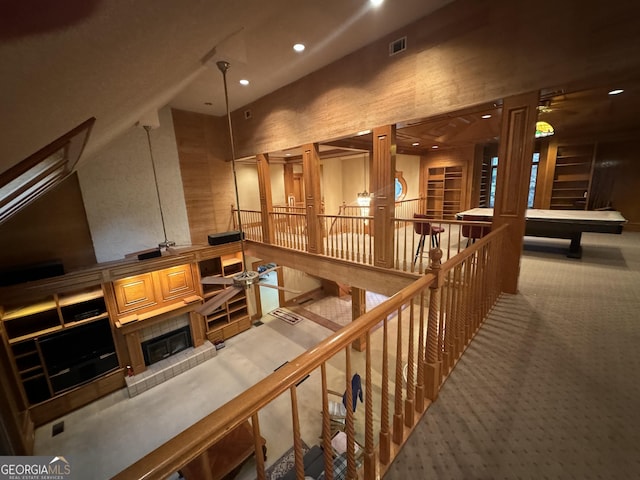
164	346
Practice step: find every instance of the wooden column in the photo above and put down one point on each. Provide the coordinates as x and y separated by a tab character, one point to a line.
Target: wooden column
358	308
383	188
266	204
519	114
312	196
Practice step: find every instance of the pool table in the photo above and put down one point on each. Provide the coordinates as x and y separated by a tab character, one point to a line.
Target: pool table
567	224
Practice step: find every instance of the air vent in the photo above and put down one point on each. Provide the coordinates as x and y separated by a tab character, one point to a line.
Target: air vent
247	114
397	46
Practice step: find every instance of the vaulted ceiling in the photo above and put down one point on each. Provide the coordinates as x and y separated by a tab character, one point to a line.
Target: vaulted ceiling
114	60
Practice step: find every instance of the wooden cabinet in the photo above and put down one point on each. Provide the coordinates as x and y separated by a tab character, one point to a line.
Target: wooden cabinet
572	176
45	324
39	335
152	290
444	191
232	317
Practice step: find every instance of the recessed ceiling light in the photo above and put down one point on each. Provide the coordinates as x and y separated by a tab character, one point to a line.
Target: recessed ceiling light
376	3
287	154
486	115
616	91
434	146
244	82
415	144
299	47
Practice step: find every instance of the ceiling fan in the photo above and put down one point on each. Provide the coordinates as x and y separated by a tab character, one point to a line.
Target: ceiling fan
246	278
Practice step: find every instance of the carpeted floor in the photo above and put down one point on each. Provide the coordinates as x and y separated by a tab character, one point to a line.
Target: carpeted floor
550	387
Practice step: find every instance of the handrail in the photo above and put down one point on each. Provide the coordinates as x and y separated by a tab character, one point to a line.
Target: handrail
459	300
195	440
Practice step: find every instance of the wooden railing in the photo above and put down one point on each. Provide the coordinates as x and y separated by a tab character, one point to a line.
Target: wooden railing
424	329
348	237
290	230
251	224
411	249
406	208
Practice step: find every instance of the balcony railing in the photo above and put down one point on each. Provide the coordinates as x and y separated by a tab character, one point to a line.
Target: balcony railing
350	236
409	345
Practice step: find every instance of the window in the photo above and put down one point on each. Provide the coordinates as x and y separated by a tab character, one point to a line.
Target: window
532	180
34	176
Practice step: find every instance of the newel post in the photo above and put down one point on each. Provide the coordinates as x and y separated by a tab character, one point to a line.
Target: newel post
433	366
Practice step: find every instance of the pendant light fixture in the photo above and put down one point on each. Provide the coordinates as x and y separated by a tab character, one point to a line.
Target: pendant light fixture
166	244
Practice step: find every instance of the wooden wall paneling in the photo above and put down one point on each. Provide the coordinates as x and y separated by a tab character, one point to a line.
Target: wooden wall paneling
266	202
519	114
383	187
207	179
312	196
443	70
53	227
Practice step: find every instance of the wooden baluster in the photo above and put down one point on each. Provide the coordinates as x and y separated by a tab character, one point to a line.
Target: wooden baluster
297	443
457	313
398	428
349	426
447	354
385	443
369	447
469	304
326	425
420	375
258	447
432	373
409	400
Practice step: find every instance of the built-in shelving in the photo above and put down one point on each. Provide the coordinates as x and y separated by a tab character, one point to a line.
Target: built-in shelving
444	191
572	177
233	316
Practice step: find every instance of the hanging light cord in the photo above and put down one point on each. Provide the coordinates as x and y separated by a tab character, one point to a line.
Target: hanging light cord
223	67
166	242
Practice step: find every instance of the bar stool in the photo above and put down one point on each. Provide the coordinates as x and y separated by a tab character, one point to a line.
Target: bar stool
473	232
423	229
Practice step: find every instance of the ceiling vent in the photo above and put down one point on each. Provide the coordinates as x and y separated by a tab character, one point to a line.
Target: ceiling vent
397	46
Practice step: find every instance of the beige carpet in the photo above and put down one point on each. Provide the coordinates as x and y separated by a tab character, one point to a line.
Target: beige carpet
550	387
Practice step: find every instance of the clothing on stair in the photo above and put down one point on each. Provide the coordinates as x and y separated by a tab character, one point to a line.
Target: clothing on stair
356	391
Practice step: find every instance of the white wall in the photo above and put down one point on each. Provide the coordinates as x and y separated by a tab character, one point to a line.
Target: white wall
248	186
278	196
332	185
409	165
120	197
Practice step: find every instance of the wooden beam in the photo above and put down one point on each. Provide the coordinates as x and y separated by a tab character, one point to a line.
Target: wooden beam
375	279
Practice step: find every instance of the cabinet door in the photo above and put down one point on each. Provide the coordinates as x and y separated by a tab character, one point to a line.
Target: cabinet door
133	293
176	282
